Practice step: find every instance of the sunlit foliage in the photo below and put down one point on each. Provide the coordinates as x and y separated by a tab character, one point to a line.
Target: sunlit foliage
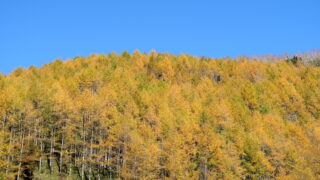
160	116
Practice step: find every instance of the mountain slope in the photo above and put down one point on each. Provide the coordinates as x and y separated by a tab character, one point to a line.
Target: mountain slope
160	116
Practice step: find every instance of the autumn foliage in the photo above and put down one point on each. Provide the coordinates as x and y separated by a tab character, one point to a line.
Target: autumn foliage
160	116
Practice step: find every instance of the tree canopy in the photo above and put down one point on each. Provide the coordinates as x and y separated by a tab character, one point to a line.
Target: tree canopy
160	116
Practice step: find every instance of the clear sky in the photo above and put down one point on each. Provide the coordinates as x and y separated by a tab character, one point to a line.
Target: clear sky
35	32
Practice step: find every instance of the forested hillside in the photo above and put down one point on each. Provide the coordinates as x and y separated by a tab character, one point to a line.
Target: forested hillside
159	116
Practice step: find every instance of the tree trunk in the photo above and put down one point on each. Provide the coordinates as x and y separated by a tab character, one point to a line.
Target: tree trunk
83	166
108	161
61	155
20	156
41	151
91	151
9	156
70	166
51	150
83	147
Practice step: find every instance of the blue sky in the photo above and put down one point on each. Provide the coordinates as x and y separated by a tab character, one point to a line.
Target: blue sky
36	32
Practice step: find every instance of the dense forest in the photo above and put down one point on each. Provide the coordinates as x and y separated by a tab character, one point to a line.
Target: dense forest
160	116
